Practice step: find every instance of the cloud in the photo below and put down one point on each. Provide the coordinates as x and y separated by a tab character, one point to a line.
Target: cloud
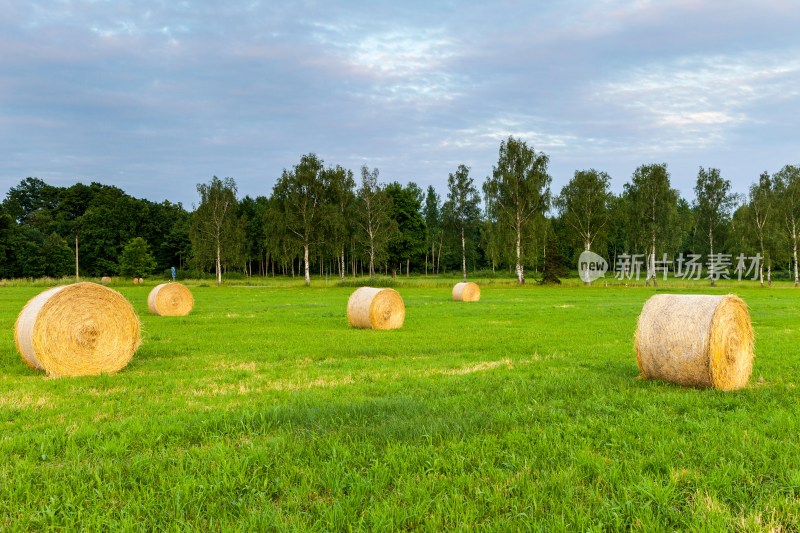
693	103
164	95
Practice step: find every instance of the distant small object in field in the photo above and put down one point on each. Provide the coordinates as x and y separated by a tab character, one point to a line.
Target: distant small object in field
466	291
695	340
105	279
138	281
84	329
373	308
170	299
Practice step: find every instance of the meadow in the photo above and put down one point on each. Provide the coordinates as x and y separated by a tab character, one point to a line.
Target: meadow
263	410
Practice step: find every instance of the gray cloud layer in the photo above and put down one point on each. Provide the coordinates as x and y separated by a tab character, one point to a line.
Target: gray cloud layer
157	96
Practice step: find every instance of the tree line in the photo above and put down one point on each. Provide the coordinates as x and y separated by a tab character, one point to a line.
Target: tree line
323	219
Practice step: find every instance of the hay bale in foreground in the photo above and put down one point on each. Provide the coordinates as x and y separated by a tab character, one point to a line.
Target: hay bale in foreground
466	291
170	299
105	279
373	308
695	340
83	329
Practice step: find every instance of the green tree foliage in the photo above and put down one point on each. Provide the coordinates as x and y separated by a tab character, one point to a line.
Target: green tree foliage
519	195
433	221
374	218
97	218
31	197
762	216
339	213
216	234
300	194
584	205
57	256
406	211
252	213
281	246
713	204
136	260
652	213
464	209
8	262
787	189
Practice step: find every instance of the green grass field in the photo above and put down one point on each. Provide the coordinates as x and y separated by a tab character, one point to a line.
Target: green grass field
263	410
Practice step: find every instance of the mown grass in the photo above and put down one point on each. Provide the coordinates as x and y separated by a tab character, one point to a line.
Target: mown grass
263	410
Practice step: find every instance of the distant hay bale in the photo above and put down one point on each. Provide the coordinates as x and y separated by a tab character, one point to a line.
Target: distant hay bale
466	291
695	340
83	329
105	279
373	308
170	299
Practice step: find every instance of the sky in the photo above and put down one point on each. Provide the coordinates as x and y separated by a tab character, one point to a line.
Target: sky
156	96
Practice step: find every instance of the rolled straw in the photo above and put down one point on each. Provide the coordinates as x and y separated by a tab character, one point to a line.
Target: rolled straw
373	308
83	329
170	299
695	340
466	291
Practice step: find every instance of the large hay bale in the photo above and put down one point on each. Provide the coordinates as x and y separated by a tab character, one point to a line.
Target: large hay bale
466	291
170	299
105	279
373	308
695	340
83	329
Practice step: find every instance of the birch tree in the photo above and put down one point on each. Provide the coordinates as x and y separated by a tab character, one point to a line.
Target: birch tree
464	209
760	201
299	194
584	205
340	187
433	221
374	217
652	211
787	189
520	193
713	202
215	232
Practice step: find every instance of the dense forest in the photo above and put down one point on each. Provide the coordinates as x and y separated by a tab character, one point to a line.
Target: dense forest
324	220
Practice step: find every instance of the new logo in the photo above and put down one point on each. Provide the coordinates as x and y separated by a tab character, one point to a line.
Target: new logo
591	266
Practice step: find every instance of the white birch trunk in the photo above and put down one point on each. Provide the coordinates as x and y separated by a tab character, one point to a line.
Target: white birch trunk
463	254
519	267
77	277
711	254
305	265
219	264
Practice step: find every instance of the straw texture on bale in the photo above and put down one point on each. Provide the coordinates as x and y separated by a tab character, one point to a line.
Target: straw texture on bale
170	299
83	329
105	279
466	291
373	308
695	340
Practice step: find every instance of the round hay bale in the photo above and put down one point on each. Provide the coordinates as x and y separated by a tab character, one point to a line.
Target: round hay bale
170	299
466	291
695	340
83	329
373	308
105	279
136	281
